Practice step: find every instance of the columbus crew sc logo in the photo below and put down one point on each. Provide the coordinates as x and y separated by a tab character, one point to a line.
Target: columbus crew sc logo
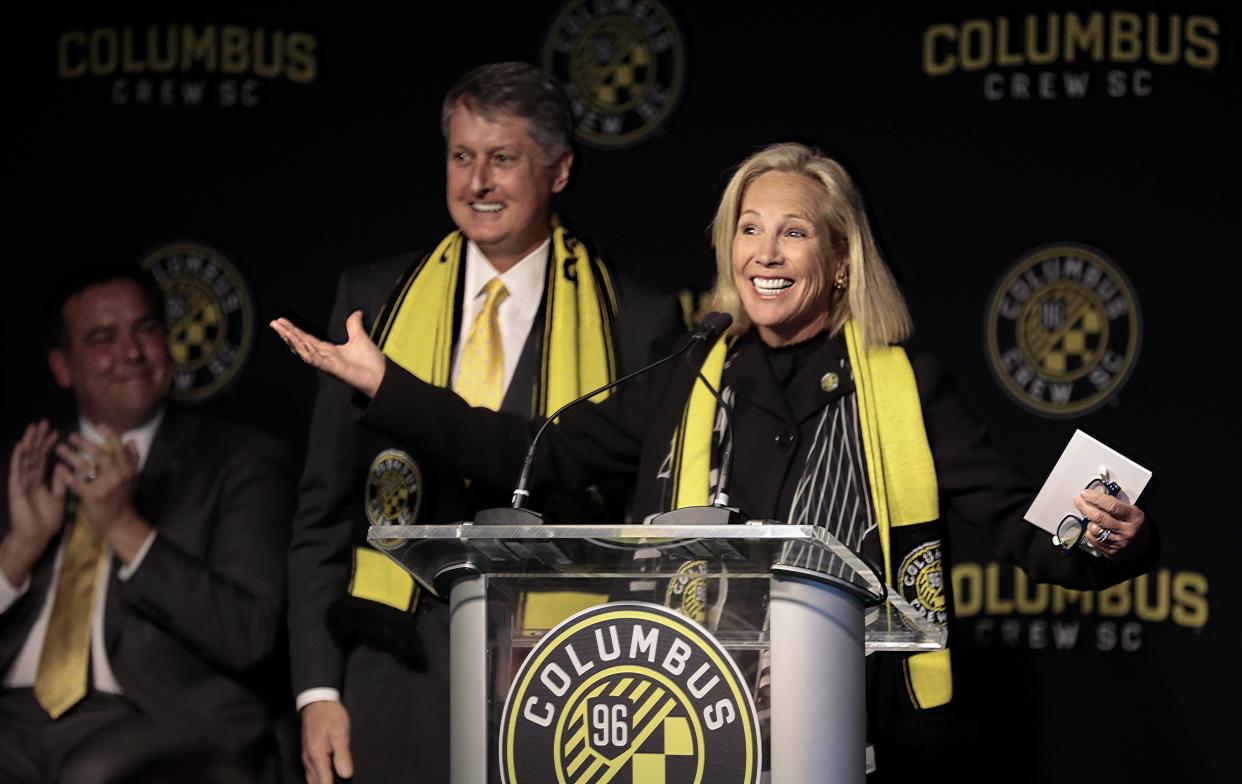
687	591
210	318
394	489
623	65
629	692
922	581
1063	330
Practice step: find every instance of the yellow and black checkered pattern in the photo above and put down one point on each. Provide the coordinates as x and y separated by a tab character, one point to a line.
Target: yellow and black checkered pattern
393	494
1073	342
614	64
650	767
660	749
194	335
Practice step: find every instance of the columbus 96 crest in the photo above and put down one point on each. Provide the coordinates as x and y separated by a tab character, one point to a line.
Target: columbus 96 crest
687	590
1063	330
393	491
629	692
922	581
623	64
210	318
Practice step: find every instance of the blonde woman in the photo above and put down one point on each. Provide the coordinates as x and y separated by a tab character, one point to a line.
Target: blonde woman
834	425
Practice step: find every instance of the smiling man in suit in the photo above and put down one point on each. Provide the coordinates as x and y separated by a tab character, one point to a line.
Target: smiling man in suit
141	558
513	312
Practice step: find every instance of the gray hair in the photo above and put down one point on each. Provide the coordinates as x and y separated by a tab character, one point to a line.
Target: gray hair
519	89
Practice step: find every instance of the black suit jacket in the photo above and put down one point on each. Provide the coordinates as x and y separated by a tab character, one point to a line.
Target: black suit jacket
188	630
629	433
330	520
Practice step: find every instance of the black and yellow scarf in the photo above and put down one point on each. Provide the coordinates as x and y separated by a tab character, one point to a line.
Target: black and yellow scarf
417	331
900	470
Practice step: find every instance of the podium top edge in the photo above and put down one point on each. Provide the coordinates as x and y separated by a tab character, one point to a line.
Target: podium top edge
632	533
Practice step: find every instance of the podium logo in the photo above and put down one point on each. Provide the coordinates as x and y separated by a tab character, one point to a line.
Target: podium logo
210	318
1063	330
633	692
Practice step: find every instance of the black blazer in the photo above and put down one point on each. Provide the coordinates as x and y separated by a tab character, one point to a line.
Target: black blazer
330	519
188	630
629	435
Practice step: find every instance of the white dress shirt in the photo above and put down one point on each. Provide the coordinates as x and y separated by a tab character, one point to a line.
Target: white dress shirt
24	668
525	282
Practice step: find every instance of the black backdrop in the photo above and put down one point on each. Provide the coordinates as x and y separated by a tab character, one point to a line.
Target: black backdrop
338	160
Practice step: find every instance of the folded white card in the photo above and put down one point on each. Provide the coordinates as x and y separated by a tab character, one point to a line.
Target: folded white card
1083	460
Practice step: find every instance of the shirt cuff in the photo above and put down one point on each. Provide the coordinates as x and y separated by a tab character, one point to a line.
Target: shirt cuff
319	694
9	594
125	572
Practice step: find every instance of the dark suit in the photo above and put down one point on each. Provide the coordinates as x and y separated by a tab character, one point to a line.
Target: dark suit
186	632
392	673
371	653
629	434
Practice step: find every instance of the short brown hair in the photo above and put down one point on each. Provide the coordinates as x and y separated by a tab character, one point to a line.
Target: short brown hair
96	275
519	89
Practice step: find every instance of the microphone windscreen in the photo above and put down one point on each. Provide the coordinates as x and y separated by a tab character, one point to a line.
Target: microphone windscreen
714	324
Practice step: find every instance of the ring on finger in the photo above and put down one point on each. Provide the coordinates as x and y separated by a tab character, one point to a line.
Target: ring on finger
1102	537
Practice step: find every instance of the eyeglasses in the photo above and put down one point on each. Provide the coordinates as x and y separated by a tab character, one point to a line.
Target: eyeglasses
1072	529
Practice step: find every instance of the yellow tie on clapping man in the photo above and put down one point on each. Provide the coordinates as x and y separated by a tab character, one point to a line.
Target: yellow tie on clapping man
481	371
64	663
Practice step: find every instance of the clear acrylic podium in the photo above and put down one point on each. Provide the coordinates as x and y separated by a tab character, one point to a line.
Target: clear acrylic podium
795	608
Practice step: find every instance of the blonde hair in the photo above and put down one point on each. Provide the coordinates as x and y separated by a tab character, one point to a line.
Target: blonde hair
872	298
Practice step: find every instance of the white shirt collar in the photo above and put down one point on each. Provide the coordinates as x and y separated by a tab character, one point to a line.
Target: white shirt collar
141	436
524	280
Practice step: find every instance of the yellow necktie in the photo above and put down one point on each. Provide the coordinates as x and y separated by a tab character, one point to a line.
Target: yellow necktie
65	660
481	371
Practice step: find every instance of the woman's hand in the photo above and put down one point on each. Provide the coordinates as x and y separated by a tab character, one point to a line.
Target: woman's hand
358	362
1114	527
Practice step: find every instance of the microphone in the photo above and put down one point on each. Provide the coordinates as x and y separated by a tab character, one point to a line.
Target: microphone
713	325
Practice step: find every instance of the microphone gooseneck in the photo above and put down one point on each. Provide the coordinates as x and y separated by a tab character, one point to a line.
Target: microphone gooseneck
713	325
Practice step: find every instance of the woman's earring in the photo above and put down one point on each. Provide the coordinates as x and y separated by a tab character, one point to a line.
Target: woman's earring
843	281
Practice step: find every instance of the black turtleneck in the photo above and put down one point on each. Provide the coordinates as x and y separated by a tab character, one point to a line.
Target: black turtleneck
787	360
